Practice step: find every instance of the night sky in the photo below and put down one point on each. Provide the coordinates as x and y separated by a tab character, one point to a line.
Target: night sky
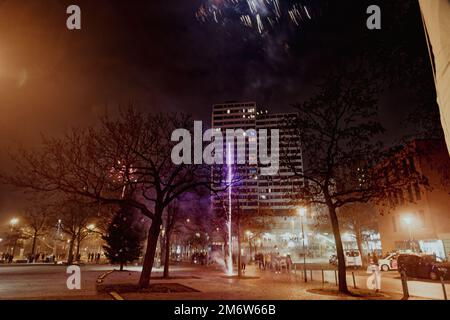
159	56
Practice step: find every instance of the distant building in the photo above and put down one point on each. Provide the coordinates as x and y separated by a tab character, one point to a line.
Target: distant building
256	192
263	195
421	218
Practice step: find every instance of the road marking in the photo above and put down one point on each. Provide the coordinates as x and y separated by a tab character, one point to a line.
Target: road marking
103	276
116	296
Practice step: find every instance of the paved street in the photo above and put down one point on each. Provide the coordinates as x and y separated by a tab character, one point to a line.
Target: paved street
49	282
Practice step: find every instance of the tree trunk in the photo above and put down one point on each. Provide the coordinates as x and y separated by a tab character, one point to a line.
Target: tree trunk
167	255
121	265
33	246
70	257
358	235
152	242
78	247
162	248
342	272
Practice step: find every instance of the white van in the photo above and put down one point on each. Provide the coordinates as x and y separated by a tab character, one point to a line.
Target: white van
353	258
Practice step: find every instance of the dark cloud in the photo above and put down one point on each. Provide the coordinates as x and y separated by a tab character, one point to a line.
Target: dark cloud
157	55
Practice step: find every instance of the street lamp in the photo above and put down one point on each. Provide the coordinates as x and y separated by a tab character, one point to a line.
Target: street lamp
249	235
302	214
409	221
13	222
91	227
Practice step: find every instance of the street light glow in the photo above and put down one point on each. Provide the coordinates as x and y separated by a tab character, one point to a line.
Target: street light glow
14	221
91	227
407	220
302	211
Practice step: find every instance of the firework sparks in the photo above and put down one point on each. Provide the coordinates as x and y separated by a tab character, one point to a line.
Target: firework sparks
259	15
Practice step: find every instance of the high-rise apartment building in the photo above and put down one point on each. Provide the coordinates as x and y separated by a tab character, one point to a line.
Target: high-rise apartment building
252	191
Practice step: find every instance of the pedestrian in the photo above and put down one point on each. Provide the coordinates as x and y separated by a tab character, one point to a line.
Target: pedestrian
288	263
278	263
375	259
97	258
260	261
244	261
374	281
268	264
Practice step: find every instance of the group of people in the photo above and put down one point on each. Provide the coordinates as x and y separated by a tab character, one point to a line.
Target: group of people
199	258
93	257
6	257
273	261
40	257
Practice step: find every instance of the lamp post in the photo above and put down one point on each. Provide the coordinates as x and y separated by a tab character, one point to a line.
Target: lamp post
13	222
302	213
55	240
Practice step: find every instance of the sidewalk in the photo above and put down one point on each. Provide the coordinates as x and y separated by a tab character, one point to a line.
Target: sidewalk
213	285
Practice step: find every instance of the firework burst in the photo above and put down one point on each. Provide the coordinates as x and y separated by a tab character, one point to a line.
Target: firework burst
259	15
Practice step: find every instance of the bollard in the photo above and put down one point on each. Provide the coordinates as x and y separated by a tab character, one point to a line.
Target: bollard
335	277
354	281
311	275
323	277
295	269
305	274
443	288
404	285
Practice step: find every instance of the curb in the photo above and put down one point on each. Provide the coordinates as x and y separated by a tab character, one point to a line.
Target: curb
113	294
103	276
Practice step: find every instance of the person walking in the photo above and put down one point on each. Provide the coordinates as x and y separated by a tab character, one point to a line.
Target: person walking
268	264
288	263
244	261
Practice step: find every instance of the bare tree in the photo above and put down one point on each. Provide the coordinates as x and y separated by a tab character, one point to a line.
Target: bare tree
37	218
73	217
123	161
339	133
358	218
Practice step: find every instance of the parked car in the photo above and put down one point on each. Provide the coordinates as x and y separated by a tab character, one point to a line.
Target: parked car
352	259
333	260
423	266
389	262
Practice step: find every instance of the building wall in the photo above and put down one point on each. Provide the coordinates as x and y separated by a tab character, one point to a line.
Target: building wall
421	218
